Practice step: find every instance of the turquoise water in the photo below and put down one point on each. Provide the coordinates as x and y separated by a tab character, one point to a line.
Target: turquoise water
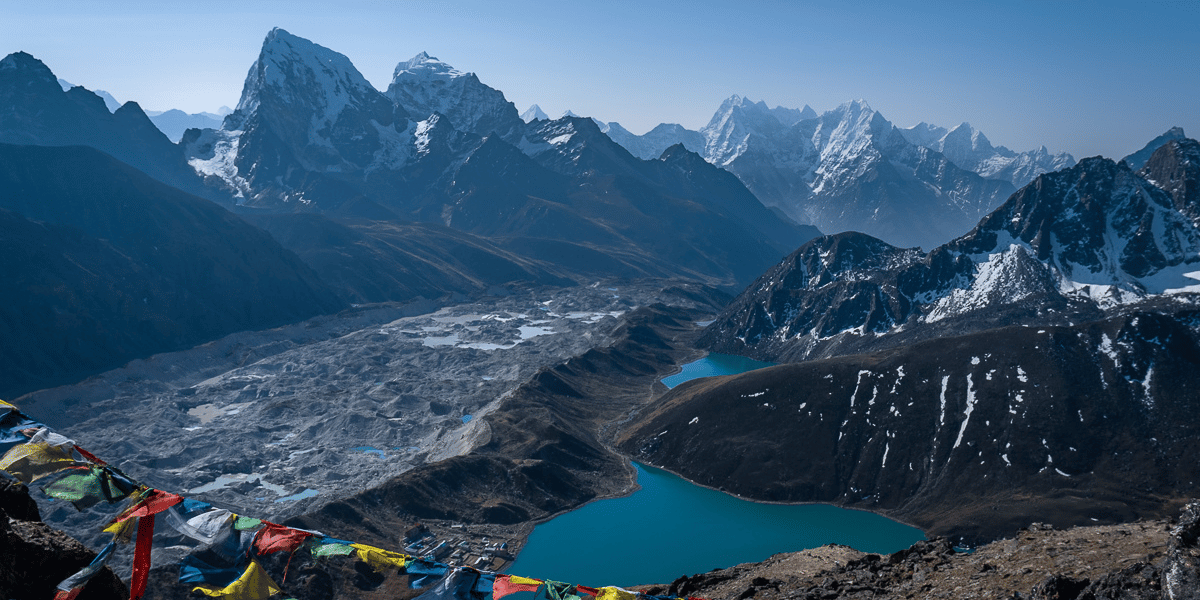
714	364
370	450
672	527
307	493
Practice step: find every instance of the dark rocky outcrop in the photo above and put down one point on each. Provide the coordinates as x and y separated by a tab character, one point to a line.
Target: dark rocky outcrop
34	558
1135	561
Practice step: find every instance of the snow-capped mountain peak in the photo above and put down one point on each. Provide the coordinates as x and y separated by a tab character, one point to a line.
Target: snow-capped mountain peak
534	113
1103	231
424	85
426	67
294	72
969	149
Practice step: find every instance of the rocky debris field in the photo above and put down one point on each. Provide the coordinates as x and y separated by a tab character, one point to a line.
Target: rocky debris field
275	423
1146	559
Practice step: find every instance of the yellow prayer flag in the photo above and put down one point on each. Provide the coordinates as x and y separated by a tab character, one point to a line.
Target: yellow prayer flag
122	531
518	580
4	404
30	462
254	584
379	558
615	593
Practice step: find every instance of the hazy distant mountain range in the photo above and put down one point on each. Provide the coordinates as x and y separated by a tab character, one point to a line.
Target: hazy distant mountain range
171	122
852	170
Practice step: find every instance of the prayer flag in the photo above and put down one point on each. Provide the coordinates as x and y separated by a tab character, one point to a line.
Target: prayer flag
277	538
70	587
380	559
509	584
33	461
254	584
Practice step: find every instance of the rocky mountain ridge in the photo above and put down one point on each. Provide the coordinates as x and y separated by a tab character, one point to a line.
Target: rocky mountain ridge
1072	245
969	436
35	110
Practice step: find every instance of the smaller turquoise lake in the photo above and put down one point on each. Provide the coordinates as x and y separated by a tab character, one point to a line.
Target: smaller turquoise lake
713	365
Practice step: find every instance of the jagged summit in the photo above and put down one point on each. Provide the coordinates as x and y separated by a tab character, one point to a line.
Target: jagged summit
25	66
1138	159
292	70
424	85
426	67
1103	231
970	149
534	113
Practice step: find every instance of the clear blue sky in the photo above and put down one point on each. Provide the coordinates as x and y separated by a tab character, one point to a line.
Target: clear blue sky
1085	77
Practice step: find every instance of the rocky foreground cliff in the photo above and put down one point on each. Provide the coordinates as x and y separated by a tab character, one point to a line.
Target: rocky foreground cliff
1142	560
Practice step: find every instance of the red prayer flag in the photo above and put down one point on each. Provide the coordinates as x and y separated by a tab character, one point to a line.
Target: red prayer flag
278	538
504	586
141	557
153	503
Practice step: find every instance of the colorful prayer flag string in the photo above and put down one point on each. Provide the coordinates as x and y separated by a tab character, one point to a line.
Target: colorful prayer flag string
225	567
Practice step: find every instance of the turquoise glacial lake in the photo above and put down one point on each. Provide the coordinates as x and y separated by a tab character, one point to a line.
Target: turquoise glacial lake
672	527
713	365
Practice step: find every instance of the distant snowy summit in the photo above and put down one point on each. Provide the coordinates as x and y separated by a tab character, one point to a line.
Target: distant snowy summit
534	113
424	85
968	148
850	169
1138	159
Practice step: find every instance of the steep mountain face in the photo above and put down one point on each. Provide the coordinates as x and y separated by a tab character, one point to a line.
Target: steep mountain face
35	110
1138	159
1175	167
968	148
105	264
847	170
1072	245
311	135
308	124
112	103
870	179
968	436
425	85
